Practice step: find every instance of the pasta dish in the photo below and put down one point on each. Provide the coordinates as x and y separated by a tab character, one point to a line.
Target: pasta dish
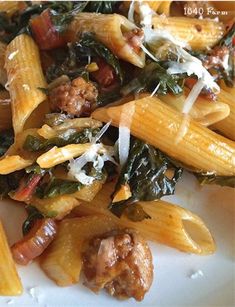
103	106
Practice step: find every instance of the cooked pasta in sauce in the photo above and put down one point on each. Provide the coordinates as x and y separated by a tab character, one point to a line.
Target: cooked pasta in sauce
103	106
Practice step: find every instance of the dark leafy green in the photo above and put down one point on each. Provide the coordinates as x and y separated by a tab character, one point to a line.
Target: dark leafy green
152	75
88	45
227	40
104	7
9	183
58	187
33	143
6	140
224	181
146	174
33	215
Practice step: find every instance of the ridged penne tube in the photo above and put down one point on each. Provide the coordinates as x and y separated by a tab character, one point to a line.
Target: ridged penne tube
111	30
62	262
200	34
10	164
203	111
227	125
181	138
169	224
10	7
57	155
5	111
10	283
3	73
25	77
61	206
48	132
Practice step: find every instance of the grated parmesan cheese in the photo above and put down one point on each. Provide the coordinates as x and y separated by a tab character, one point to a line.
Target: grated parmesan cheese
12	55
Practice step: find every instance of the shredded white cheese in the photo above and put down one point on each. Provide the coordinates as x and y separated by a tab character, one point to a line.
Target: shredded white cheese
131	11
124	133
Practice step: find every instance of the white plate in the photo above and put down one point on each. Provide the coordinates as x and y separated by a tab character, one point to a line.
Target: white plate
172	284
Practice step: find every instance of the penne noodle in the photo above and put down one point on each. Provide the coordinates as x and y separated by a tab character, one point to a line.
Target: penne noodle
160	7
10	283
160	125
25	77
11	7
3	73
111	30
62	262
169	224
227	125
5	111
10	164
199	34
204	111
57	155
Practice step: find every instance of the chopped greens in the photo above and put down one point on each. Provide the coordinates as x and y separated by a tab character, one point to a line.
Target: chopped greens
89	46
104	7
9	182
207	178
6	140
58	187
33	215
152	75
149	174
33	143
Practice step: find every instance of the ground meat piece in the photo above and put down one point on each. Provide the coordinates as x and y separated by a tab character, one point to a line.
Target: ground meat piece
75	98
217	57
121	262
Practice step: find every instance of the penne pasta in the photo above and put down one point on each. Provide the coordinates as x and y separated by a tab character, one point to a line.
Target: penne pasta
57	155
11	7
5	111
160	7
10	283
62	262
203	111
112	30
200	34
227	125
25	77
160	125
169	224
10	164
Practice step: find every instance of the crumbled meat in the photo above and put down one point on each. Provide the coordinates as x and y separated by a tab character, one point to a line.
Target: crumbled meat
75	98
121	262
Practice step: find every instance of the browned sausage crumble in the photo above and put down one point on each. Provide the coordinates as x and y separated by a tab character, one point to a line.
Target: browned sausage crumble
120	262
75	98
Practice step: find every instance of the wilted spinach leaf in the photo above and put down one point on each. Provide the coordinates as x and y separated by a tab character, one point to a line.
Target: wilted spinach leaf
88	45
6	140
33	143
152	75
224	181
149	174
104	7
58	187
9	182
33	215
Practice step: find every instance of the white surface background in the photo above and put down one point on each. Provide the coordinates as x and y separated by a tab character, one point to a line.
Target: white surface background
172	284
